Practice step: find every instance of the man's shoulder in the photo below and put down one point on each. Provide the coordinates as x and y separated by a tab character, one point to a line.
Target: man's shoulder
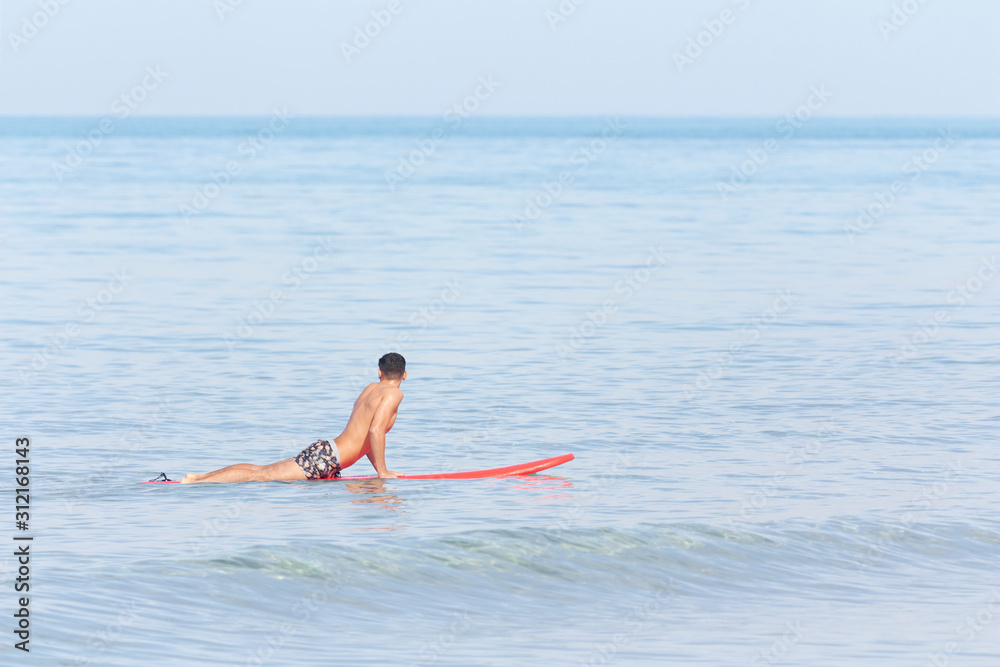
393	394
387	391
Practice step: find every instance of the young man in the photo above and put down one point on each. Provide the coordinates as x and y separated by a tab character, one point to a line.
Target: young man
373	415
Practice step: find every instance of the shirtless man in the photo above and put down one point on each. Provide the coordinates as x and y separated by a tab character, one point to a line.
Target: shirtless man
373	415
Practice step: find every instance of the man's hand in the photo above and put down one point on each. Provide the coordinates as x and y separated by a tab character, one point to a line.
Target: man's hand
389	474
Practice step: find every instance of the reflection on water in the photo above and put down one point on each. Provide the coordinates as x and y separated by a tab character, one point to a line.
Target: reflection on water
375	489
541	483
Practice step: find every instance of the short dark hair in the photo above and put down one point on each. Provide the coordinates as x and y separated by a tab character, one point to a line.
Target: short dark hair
392	365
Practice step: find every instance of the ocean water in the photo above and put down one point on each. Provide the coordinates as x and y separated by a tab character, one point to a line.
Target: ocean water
772	349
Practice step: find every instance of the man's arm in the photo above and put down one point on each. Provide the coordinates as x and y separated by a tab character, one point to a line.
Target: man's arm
382	421
367	446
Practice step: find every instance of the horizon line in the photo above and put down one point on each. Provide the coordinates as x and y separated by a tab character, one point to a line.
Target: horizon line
518	115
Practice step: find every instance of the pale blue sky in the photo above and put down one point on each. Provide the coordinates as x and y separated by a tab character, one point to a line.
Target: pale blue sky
609	56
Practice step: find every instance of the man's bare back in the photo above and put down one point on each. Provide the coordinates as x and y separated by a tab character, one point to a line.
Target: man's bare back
373	416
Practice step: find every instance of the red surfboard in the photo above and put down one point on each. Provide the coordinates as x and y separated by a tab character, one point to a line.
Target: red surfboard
508	471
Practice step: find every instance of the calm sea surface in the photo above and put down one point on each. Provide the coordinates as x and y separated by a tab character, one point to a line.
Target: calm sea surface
772	349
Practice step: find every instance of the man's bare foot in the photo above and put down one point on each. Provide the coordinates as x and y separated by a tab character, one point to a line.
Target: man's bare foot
190	478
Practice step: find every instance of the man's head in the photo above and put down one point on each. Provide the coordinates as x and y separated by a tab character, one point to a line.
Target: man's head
392	366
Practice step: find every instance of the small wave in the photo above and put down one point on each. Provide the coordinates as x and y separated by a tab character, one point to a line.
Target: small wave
695	559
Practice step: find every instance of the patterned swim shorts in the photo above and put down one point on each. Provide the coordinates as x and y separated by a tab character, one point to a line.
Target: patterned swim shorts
320	460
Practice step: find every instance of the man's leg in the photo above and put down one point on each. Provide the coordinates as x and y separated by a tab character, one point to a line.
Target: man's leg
240	472
287	470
